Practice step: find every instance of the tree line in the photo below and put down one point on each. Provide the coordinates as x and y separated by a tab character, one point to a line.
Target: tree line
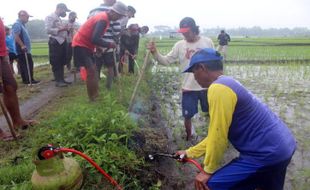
36	29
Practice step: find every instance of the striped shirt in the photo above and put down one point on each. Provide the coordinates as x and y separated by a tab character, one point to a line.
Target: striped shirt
113	32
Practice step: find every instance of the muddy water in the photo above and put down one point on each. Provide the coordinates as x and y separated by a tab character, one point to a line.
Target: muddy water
285	88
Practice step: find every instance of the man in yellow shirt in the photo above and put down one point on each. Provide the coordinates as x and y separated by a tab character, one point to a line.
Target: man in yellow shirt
264	142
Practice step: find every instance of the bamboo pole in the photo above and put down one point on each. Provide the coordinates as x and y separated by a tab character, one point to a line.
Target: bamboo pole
146	58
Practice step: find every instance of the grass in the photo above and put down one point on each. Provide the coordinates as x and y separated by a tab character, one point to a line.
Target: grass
104	130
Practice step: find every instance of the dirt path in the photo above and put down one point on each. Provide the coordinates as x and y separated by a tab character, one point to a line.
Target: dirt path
43	93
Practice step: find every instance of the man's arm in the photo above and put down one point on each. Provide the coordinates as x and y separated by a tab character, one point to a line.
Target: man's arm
222	101
171	57
228	37
16	31
53	27
20	42
96	37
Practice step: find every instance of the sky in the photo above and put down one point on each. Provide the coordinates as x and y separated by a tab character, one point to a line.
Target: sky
208	14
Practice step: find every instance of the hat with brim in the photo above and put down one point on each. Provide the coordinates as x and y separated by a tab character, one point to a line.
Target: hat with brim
63	6
24	13
203	56
120	8
131	9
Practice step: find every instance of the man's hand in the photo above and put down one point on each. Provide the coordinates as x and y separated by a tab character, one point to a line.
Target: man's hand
24	49
201	181
182	154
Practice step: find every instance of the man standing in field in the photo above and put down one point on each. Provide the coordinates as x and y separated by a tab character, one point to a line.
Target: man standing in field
223	38
129	44
23	48
181	52
57	43
8	87
107	56
73	27
88	37
265	143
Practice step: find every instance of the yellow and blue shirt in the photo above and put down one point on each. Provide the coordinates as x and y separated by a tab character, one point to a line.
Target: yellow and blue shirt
236	115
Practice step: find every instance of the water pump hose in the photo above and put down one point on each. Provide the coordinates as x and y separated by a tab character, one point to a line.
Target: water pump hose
107	176
195	163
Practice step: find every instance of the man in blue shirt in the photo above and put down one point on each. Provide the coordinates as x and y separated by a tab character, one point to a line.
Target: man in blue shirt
10	44
23	47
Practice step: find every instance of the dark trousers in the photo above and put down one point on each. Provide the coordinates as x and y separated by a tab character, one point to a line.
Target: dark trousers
131	66
69	55
23	67
57	56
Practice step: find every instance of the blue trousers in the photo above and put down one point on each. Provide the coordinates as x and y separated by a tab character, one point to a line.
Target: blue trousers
241	174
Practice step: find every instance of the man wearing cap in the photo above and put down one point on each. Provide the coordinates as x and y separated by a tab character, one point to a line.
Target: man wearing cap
8	87
130	14
23	47
265	143
108	56
58	31
73	27
223	38
129	45
182	51
88	37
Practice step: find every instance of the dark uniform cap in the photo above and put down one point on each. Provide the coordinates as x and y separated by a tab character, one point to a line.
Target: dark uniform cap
131	9
73	14
63	6
120	8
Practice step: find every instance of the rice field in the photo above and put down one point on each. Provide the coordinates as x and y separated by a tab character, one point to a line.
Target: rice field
278	72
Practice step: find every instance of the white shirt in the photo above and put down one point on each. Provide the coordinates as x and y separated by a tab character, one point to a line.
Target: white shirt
181	52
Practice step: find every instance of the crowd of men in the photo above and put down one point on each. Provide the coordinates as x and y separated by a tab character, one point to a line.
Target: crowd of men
91	47
265	143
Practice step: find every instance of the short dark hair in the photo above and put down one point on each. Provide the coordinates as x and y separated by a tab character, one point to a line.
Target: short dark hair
189	22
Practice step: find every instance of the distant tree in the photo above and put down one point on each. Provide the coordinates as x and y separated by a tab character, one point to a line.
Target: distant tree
162	28
36	29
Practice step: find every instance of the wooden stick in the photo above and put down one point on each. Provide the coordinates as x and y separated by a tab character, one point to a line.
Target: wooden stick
29	75
146	58
6	115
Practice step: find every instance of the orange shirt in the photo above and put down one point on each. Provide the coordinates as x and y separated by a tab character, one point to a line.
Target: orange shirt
83	36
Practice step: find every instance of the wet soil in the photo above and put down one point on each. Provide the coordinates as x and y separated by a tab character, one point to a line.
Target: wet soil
162	128
287	94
